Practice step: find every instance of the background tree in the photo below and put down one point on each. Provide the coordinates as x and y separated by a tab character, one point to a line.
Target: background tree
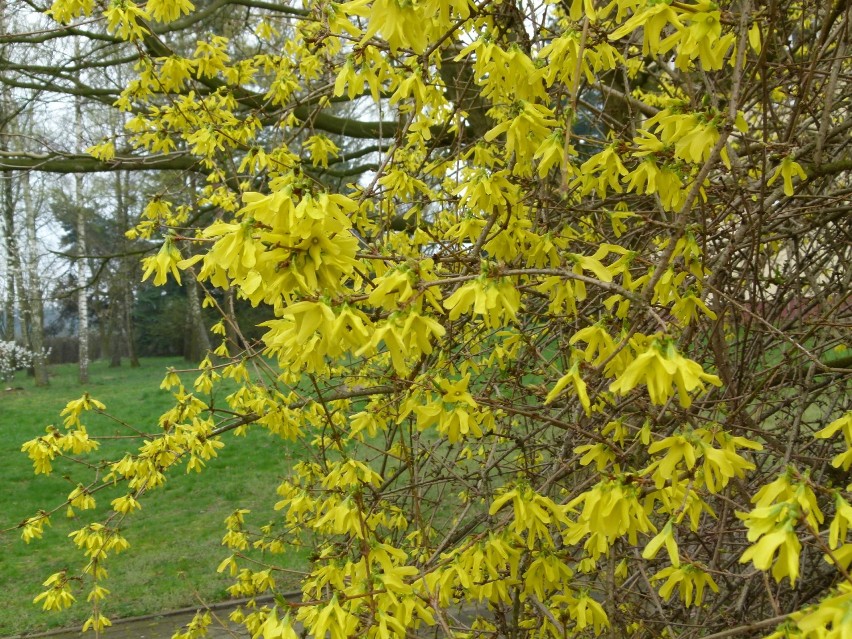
23	291
522	359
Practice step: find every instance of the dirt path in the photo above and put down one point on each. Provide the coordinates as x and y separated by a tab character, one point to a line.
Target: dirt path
164	625
157	626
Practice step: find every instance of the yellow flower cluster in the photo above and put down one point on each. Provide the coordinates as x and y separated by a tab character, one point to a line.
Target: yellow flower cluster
664	371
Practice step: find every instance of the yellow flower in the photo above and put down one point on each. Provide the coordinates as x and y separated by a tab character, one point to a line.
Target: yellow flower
168	10
690	581
124	19
786	544
651	368
163	263
660	366
573	377
457	392
787	170
665	536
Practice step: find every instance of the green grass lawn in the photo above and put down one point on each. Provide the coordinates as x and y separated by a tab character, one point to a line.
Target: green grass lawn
174	538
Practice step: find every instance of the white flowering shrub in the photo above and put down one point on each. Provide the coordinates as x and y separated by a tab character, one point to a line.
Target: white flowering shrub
14	357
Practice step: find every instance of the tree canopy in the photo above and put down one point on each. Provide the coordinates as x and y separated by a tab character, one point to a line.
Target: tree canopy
558	295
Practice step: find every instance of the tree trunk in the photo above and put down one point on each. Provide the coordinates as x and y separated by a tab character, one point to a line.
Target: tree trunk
198	342
128	327
8	216
114	331
25	313
82	299
14	265
100	309
125	275
34	297
32	328
8	231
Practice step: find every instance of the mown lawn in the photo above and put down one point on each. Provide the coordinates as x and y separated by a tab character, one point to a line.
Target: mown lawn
174	538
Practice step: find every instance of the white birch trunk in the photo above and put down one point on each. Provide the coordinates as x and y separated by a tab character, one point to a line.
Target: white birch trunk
82	275
8	235
8	204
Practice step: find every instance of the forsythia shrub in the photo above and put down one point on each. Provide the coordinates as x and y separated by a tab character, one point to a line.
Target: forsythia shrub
566	357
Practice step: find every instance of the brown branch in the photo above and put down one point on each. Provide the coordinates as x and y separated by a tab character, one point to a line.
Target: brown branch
80	163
